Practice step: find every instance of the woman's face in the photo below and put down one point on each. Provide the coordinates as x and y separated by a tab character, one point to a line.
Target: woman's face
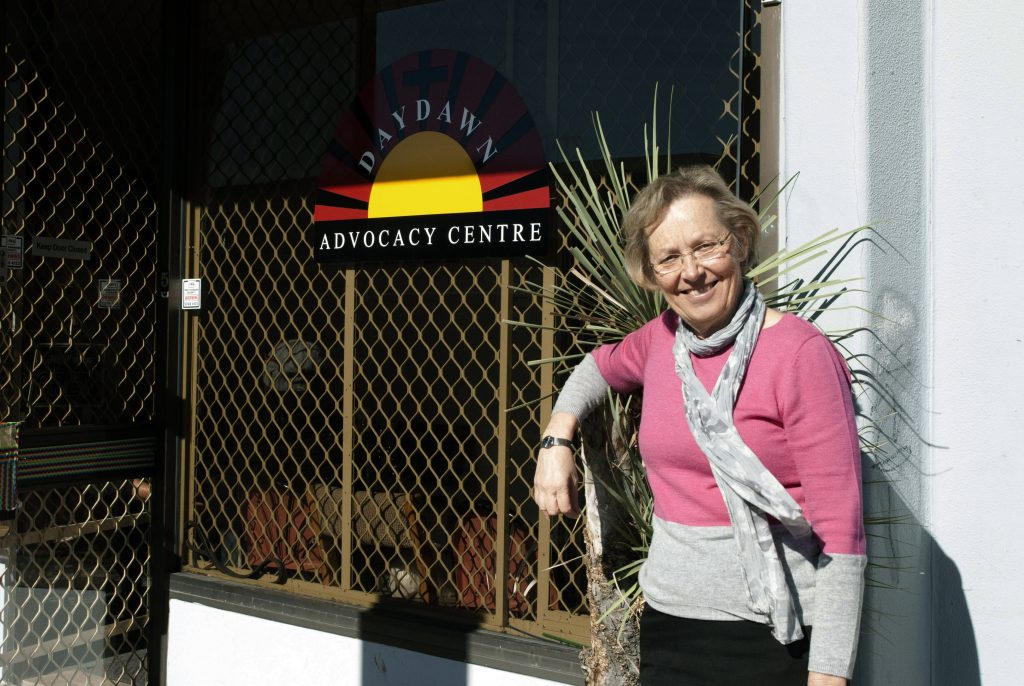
704	294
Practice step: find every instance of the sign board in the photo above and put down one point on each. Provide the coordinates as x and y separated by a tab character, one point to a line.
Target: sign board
110	294
61	247
14	252
437	158
191	294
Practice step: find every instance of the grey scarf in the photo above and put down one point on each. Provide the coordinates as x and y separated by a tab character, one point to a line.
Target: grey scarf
751	492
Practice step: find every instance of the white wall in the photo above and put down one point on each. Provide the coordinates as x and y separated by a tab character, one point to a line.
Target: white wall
213	647
978	262
3	606
906	114
827	137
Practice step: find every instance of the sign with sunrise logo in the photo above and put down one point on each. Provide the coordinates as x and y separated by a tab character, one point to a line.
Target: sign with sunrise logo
437	158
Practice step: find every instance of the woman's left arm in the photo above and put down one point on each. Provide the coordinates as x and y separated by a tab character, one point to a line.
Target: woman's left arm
821	435
819	679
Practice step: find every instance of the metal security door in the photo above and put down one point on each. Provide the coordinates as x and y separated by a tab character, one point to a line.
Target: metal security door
78	312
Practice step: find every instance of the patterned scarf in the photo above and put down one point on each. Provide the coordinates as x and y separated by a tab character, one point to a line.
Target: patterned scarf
751	492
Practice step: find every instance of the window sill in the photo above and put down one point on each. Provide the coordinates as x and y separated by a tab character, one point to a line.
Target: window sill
472	645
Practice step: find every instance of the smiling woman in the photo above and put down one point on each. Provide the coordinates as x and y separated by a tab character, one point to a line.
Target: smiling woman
750	448
703	292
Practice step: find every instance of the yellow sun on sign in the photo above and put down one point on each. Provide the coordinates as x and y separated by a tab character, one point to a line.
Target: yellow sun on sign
427	173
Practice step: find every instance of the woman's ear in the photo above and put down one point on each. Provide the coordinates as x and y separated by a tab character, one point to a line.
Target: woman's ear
741	249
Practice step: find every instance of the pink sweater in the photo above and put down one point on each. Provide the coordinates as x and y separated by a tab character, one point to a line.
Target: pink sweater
794	410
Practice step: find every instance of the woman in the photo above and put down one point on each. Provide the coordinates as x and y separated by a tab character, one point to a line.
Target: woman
748	438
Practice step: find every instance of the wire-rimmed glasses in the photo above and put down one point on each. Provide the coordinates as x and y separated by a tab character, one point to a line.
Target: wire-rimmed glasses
708	251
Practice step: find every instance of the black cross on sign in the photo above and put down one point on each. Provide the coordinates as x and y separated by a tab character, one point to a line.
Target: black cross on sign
424	76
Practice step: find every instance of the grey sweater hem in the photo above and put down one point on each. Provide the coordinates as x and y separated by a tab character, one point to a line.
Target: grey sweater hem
834	668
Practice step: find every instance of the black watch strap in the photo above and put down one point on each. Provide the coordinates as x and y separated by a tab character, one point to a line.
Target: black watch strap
551	442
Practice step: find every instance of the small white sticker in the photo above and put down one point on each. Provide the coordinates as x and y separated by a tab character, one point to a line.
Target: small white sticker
191	294
14	251
110	294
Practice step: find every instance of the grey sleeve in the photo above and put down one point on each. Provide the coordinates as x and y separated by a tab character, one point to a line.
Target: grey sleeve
583	390
838	595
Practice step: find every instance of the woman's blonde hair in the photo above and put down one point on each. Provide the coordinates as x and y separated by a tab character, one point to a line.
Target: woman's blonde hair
651	204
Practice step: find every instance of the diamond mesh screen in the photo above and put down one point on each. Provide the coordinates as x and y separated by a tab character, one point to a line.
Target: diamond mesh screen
74	586
369	427
77	321
80	163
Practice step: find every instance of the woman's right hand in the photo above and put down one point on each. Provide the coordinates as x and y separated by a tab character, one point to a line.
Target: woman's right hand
556	481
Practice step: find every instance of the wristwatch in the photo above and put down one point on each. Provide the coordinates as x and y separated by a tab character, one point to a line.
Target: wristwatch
551	442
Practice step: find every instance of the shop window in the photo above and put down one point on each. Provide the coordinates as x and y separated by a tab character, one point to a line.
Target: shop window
368	425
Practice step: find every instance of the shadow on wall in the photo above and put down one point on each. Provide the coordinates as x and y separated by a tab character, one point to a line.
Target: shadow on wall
917	628
388	640
954	651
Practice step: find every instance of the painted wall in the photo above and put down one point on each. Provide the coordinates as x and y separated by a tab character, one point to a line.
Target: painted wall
3	603
978	332
213	647
905	114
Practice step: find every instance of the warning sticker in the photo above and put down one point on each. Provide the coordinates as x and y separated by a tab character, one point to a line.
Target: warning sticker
191	294
14	251
110	294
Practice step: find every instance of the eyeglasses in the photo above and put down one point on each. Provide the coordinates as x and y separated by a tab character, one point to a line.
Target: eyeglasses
708	251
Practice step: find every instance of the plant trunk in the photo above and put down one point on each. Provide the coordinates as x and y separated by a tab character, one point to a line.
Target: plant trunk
613	658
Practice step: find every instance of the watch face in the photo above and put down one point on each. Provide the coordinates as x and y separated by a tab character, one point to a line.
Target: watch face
548	442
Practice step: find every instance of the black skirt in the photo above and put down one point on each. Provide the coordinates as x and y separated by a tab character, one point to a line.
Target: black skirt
699	652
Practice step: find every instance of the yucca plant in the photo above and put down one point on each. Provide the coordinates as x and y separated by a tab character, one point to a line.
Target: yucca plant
598	303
